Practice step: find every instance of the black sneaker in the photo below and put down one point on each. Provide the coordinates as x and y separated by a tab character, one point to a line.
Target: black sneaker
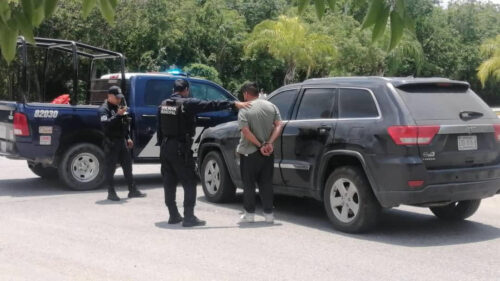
193	221
136	194
175	219
112	196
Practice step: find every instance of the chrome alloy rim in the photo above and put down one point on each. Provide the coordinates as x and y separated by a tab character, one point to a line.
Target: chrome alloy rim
344	200
212	177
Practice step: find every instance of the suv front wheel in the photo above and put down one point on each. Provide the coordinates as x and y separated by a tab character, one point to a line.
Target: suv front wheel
217	184
349	200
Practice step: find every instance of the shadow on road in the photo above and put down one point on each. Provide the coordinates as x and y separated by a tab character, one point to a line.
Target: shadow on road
41	187
396	227
165	225
109	202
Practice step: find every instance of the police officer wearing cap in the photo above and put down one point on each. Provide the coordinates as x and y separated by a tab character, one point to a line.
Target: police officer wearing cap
177	124
117	142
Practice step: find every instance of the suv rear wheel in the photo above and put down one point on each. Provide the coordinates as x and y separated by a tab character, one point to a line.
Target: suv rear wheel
217	184
82	167
349	200
457	210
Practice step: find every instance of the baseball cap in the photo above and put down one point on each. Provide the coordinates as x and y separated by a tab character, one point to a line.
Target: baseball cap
115	90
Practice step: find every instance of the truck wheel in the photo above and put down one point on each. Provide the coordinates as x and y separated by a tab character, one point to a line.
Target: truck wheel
82	167
43	172
217	184
457	210
349	200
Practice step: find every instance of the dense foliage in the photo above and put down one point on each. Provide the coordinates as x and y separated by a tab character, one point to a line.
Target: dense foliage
223	35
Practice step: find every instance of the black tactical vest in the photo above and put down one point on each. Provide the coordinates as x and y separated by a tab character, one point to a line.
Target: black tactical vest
175	123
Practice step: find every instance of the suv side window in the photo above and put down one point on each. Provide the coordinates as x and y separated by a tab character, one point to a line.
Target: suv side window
316	104
284	102
206	92
357	103
157	91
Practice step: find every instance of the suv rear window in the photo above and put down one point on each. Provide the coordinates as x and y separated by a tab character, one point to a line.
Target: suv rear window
357	103
435	102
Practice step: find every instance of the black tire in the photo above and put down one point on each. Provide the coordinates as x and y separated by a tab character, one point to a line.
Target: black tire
43	172
457	210
74	155
226	190
368	210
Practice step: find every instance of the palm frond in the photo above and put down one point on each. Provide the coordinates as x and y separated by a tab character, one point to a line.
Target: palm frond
490	68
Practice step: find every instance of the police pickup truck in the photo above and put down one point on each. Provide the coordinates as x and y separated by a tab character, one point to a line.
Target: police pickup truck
65	140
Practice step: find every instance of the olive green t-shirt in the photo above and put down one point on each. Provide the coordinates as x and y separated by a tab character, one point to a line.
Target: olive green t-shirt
259	118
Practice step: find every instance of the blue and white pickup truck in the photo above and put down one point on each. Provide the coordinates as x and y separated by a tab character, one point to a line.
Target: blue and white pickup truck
65	140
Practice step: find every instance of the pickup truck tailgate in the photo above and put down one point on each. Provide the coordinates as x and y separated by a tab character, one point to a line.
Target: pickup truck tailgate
7	109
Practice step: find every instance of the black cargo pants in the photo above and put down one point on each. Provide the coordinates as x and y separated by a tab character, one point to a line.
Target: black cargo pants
177	165
117	152
257	171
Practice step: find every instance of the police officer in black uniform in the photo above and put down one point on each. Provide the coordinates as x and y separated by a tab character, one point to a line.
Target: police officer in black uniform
177	124
117	142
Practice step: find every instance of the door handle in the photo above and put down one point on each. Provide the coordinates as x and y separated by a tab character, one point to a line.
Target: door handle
149	115
203	118
324	130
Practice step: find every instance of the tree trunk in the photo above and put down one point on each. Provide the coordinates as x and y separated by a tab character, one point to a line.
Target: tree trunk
290	73
308	72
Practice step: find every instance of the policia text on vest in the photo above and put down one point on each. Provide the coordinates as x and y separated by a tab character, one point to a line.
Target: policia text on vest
177	124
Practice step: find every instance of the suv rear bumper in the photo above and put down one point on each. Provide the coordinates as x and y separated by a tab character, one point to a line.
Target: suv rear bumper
437	193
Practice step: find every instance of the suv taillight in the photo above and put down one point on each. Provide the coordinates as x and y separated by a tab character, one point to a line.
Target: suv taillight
497	132
21	127
412	135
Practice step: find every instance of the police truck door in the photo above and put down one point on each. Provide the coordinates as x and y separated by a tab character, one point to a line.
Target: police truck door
155	90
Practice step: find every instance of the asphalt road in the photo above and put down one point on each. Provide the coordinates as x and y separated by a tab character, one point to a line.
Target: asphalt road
50	233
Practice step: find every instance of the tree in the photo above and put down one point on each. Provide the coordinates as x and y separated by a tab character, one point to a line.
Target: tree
379	13
490	68
256	11
203	71
21	17
290	41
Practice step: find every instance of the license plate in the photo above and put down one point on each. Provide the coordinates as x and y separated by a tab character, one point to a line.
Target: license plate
467	142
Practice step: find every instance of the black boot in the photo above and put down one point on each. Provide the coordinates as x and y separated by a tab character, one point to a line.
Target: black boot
175	217
190	219
193	221
135	193
112	195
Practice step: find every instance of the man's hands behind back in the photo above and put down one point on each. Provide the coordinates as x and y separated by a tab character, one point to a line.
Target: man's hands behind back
267	149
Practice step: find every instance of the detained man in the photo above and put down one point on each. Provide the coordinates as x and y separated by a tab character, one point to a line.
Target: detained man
260	126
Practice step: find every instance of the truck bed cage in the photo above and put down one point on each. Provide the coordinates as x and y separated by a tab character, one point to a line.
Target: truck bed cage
76	49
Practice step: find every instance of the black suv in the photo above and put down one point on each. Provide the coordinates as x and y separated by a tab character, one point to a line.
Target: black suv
361	144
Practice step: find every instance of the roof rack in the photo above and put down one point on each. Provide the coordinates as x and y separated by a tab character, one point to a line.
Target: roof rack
68	46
